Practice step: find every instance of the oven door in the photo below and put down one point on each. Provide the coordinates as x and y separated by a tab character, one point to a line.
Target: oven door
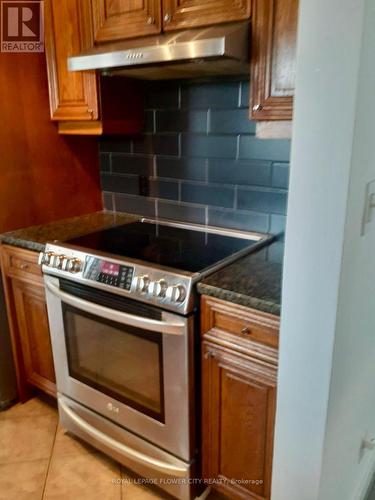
130	362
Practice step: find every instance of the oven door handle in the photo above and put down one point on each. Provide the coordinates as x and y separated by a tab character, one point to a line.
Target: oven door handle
173	327
163	467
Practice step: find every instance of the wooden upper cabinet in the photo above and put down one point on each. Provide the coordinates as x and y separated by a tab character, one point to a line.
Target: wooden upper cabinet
120	19
73	96
179	14
273	66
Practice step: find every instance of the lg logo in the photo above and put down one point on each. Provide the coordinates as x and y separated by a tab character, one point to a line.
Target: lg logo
22	26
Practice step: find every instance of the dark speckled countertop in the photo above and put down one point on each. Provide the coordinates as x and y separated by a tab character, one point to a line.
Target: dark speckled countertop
36	237
253	281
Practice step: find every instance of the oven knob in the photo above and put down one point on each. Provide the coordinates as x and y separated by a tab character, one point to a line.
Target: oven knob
59	260
75	265
177	293
143	284
160	288
45	258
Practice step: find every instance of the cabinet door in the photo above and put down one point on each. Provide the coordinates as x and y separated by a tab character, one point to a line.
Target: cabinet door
32	326
238	420
73	95
178	14
273	66
120	19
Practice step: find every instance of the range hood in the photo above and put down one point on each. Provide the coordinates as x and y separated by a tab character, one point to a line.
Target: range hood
216	50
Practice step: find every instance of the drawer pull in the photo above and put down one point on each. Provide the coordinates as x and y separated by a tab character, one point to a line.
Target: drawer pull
209	354
246	331
24	267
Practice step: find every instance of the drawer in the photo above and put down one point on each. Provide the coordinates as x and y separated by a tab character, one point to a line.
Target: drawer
21	263
242	323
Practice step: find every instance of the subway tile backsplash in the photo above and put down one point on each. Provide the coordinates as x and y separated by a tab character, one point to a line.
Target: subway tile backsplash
198	160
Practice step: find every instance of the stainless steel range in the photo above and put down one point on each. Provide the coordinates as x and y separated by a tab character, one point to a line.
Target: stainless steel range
122	310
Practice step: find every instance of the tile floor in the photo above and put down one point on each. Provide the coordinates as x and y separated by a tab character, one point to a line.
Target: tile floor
38	460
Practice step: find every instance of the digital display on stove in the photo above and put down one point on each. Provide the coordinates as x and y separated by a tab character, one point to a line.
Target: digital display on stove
108	273
109	268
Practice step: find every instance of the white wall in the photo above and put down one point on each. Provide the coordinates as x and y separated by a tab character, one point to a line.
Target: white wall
330	33
351	410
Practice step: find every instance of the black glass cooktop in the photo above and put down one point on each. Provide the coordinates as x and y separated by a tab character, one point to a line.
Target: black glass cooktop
179	248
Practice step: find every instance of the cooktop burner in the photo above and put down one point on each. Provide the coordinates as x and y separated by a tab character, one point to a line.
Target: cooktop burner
180	248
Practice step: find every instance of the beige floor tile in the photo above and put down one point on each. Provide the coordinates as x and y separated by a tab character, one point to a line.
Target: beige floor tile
67	444
84	477
33	408
27	438
131	490
23	480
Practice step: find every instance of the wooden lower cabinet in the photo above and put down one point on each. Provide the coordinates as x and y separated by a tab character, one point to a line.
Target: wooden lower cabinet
28	321
238	404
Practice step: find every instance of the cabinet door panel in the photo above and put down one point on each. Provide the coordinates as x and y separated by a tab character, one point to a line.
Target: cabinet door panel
238	421
73	95
180	14
274	37
120	19
33	328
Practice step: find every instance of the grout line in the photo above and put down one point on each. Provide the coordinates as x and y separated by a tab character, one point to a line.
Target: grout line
208	124
235	198
206	173
50	460
240	95
206	215
179	191
114	202
238	147
154	120
179	97
154	168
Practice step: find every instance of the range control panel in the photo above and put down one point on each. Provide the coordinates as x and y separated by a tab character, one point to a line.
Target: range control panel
108	273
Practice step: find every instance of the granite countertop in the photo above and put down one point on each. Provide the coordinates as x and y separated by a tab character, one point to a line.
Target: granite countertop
253	281
36	237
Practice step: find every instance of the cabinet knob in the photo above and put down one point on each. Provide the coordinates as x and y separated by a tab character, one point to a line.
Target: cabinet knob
167	18
209	354
151	20
24	267
257	107
246	331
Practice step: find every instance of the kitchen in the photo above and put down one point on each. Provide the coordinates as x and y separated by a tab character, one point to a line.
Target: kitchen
145	201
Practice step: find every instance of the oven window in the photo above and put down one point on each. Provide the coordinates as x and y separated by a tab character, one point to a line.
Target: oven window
121	361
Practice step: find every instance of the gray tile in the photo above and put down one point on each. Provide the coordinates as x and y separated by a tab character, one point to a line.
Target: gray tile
276	252
278	223
105	162
138	205
162	96
107	201
215	95
181	168
280	175
181	212
250	172
245	221
262	200
162	144
129	184
181	121
264	149
231	121
164	189
208	194
245	94
214	146
110	144
136	165
149	121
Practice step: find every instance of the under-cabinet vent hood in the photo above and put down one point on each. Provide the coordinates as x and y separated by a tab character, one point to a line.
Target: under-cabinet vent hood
216	50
